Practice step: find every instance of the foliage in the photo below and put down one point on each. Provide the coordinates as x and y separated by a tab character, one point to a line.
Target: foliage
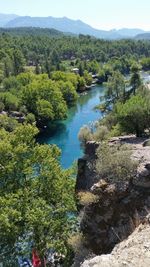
145	62
85	134
114	163
115	88
101	133
135	80
8	123
133	116
35	194
87	198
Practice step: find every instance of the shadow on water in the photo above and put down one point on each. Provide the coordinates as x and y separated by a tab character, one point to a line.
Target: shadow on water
53	129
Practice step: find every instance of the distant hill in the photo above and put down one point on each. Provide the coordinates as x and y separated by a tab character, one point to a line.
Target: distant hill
31	31
67	25
5	18
129	32
144	36
62	24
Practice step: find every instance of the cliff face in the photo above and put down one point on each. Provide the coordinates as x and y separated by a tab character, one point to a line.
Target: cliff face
121	207
133	252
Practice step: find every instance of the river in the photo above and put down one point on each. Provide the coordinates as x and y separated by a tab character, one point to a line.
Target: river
65	133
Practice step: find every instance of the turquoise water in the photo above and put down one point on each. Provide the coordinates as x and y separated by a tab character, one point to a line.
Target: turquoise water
65	133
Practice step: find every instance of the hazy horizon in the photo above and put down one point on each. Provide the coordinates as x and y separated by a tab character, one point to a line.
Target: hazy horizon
107	15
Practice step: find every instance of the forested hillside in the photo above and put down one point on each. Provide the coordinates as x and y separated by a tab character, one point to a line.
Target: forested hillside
42	73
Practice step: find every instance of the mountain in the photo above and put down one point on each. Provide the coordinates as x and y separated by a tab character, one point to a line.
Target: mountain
144	36
129	32
61	24
5	18
67	25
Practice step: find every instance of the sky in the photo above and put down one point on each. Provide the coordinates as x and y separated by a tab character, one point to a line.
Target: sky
101	14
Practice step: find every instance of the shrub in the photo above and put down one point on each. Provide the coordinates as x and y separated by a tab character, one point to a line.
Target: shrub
101	133
87	198
116	131
114	163
85	134
30	118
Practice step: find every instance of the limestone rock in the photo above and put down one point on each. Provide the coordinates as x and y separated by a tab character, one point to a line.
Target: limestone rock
132	252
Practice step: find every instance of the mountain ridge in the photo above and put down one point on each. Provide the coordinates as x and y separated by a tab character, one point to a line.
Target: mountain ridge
66	25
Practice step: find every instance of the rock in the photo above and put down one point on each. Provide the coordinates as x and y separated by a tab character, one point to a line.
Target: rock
81	181
142	178
121	207
98	187
146	142
132	252
90	148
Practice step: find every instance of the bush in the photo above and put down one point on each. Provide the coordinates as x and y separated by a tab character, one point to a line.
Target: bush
75	242
85	134
101	133
87	198
114	163
30	118
9	124
116	131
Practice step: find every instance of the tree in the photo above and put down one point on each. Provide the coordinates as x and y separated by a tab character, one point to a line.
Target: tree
135	80
87	77
42	96
115	88
44	110
68	91
10	101
18	62
133	116
36	195
145	62
81	69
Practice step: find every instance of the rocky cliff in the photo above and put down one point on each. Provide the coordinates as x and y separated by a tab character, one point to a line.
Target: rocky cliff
132	252
120	208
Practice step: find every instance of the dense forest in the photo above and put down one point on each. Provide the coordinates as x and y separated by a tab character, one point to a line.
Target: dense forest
31	59
41	74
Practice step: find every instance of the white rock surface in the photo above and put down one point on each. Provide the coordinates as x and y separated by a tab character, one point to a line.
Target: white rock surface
132	252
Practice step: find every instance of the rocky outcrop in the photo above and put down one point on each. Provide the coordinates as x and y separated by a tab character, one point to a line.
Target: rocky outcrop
86	176
119	210
132	252
121	207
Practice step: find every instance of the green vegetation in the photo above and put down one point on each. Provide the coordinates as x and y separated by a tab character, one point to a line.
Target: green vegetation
114	163
36	195
38	66
134	115
41	73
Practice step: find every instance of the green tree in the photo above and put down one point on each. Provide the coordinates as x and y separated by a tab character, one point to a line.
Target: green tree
87	77
115	88
133	116
44	94
135	80
68	91
18	62
36	195
44	110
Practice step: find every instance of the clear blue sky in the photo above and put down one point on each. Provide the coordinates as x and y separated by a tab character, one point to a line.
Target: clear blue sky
101	14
